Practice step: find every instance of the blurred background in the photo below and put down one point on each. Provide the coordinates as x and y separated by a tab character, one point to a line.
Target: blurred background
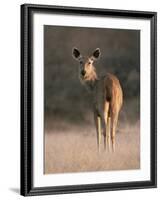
70	134
65	98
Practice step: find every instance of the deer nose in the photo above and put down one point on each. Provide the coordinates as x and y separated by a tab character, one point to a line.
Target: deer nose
83	72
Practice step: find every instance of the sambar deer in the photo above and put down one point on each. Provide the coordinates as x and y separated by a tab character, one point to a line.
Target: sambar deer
107	97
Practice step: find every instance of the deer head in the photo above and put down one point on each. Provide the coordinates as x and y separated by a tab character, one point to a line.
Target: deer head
87	70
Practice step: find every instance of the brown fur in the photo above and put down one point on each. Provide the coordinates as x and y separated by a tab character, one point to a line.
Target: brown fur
107	95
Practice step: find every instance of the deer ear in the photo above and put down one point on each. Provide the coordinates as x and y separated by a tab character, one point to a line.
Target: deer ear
76	54
96	54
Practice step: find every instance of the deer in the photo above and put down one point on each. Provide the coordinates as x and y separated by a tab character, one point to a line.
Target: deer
107	97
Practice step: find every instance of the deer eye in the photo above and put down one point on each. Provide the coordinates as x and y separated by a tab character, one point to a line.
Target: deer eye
89	62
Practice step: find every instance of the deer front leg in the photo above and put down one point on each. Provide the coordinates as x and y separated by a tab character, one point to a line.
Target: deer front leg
97	120
99	133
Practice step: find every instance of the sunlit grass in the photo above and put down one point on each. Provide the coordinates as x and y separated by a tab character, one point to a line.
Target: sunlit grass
74	149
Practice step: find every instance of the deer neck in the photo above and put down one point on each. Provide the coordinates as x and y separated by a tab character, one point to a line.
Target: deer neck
91	80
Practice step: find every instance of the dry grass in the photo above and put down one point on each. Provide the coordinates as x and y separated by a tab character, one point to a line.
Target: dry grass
74	149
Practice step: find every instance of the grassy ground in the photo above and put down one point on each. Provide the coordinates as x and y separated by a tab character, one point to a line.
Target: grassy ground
74	149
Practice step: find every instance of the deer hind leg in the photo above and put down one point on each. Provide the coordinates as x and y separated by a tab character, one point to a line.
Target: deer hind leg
109	132
107	137
113	130
104	124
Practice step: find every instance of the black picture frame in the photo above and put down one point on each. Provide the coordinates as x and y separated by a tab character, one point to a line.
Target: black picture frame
27	188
